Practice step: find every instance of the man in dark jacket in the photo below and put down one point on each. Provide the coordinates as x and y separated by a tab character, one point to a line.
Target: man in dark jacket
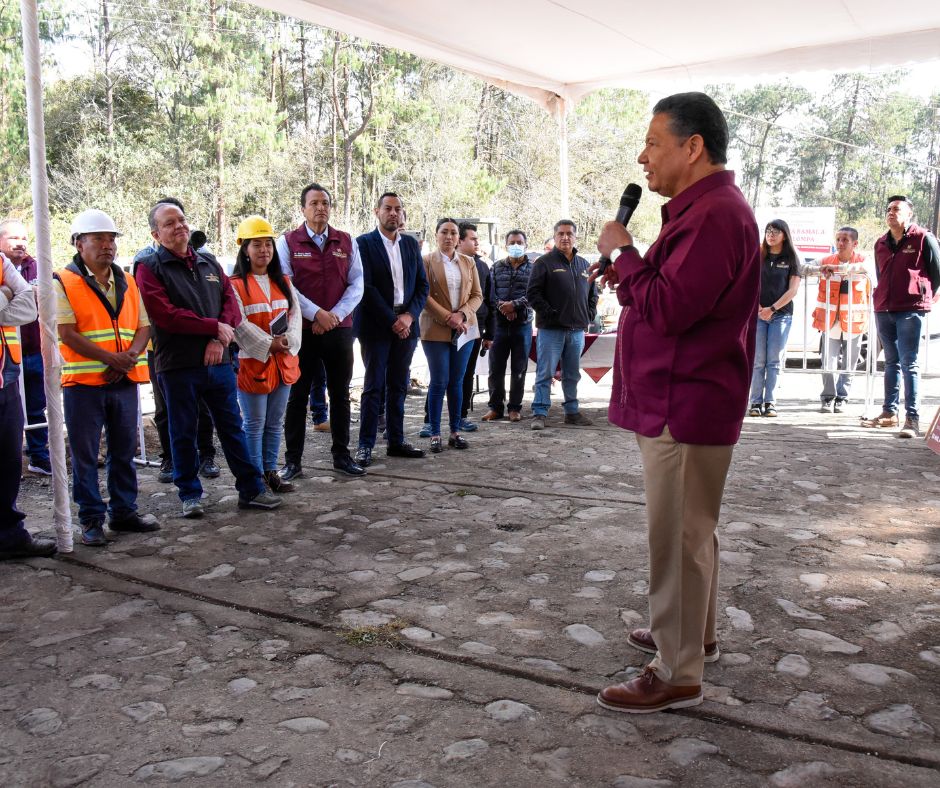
907	263
512	333
469	245
395	289
565	303
193	311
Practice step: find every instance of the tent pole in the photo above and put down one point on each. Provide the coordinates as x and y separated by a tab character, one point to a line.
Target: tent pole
562	113
52	360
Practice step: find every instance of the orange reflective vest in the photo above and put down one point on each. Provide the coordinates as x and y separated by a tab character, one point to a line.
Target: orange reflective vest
96	321
837	292
9	341
262	377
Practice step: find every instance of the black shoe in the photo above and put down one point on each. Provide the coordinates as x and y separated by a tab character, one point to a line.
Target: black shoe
405	450
578	419
165	476
364	456
34	548
838	405
825	406
135	523
436	446
276	484
457	442
348	466
209	470
291	471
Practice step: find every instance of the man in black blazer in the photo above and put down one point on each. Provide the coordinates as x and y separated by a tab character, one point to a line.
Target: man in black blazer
386	323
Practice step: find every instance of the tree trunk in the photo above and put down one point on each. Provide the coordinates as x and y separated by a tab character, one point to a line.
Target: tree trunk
218	131
853	108
303	77
106	62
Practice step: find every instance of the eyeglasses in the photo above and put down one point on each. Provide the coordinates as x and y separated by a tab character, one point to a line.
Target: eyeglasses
773	231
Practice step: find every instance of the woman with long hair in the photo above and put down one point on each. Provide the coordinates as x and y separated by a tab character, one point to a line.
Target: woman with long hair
449	315
268	339
779	283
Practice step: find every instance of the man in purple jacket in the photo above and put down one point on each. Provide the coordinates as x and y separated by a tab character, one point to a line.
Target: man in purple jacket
907	262
13	245
685	351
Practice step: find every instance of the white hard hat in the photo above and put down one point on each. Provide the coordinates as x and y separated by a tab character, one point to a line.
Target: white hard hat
93	221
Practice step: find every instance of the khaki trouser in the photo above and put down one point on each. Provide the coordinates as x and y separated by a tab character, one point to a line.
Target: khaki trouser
684	484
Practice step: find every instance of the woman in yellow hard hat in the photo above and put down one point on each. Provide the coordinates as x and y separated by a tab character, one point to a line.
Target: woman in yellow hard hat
268	339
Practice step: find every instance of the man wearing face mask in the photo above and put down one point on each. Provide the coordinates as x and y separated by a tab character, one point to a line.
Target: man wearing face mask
512	336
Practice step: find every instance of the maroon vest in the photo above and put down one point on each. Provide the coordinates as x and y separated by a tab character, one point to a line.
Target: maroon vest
903	284
321	276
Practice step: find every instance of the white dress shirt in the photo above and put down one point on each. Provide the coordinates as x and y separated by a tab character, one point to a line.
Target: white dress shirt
393	250
454	277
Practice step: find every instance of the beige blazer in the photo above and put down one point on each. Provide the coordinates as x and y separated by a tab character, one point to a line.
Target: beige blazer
433	321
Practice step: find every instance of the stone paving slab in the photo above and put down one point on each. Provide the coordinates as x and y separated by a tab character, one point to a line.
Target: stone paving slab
144	686
522	564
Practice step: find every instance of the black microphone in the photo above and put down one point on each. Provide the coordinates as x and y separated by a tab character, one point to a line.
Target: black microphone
629	200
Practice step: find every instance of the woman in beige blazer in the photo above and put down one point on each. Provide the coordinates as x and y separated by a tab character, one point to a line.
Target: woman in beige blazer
449	315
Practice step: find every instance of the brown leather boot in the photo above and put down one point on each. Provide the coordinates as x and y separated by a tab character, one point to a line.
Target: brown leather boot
276	483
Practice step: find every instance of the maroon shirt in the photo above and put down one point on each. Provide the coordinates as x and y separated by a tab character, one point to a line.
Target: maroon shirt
177	320
685	344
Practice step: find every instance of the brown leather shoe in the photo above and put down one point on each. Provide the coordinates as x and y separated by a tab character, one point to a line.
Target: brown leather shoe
642	640
886	419
323	426
492	415
515	415
276	483
646	694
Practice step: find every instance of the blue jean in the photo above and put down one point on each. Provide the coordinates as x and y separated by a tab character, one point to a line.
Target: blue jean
13	532
447	366
388	372
899	334
182	389
319	409
88	409
554	345
768	356
37	441
263	415
512	342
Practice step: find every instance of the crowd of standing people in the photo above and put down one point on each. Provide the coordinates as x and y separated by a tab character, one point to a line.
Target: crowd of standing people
706	313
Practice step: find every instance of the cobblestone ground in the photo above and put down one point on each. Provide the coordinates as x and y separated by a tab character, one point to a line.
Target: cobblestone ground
447	622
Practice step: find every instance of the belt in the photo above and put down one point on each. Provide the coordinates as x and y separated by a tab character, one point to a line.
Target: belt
400	309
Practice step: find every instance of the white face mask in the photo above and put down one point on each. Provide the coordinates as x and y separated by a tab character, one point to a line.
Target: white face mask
516	250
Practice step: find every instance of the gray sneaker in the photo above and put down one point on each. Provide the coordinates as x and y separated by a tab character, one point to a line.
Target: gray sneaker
263	500
578	419
911	428
538	422
193	508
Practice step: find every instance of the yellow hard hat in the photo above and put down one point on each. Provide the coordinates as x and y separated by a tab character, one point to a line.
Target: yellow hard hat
254	227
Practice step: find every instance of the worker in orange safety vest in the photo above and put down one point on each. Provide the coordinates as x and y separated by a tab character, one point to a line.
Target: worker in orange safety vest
845	287
103	333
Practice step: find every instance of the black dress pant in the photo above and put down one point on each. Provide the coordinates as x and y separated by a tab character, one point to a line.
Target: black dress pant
468	377
335	350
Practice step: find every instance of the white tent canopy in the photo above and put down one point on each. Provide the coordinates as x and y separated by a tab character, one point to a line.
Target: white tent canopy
551	49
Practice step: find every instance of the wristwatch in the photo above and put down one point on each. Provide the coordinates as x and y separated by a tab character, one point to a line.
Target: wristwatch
773	308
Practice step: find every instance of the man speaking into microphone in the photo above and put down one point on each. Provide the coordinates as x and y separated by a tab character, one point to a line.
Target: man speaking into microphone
685	350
